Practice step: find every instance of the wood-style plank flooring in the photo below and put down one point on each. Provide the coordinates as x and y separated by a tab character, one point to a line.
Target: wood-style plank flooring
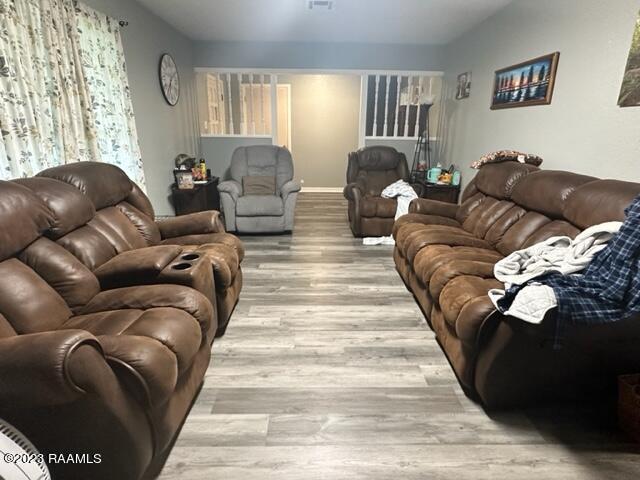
328	371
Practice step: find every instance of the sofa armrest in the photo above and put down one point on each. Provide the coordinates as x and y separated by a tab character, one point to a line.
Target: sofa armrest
192	224
136	267
35	368
433	207
352	192
231	187
145	297
290	187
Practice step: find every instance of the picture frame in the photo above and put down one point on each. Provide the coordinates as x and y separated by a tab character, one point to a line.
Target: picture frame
463	88
630	88
525	84
184	179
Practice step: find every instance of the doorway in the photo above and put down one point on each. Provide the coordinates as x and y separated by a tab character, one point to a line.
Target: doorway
324	125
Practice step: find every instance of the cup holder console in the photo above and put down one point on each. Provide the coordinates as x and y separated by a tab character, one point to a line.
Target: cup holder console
181	266
190	257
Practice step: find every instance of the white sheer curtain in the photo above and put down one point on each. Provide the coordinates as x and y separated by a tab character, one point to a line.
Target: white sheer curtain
64	93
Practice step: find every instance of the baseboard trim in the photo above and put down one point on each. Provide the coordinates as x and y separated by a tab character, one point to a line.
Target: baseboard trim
321	190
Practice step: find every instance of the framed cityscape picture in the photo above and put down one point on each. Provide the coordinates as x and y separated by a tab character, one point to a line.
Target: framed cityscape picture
527	83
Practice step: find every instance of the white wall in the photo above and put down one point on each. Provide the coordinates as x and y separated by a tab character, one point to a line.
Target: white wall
583	130
164	131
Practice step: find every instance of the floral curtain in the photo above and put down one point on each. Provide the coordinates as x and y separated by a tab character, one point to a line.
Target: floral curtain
105	76
64	94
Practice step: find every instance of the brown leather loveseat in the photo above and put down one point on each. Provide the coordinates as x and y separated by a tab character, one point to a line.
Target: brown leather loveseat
84	370
369	171
445	254
117	238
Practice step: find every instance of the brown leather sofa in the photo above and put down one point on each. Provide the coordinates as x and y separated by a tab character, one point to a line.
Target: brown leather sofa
369	171
445	254
117	238
85	370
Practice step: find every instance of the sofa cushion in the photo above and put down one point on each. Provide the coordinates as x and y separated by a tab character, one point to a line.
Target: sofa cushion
260	206
435	236
378	207
375	181
176	329
104	184
418	218
598	202
432	257
23	218
407	232
498	180
72	280
153	365
259	185
546	191
27	301
69	207
464	294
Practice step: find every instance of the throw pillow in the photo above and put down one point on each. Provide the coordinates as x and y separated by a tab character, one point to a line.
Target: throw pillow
259	185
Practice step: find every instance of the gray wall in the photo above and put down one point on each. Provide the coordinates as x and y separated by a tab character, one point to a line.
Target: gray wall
327	56
218	150
583	130
164	131
324	126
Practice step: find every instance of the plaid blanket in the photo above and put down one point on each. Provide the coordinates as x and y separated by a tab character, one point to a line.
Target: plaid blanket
609	288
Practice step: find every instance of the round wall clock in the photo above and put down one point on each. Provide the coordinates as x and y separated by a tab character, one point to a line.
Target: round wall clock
169	79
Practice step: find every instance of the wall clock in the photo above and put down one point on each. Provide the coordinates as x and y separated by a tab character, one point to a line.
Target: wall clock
169	79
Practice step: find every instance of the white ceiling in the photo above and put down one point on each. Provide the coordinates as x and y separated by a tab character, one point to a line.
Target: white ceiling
360	21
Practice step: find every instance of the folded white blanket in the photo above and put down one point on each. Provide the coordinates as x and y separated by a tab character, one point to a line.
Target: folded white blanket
557	254
405	194
560	254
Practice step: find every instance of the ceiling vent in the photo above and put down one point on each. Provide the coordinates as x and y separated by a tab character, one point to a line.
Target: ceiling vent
321	5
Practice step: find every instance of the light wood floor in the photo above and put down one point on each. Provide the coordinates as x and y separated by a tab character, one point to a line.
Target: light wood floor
328	371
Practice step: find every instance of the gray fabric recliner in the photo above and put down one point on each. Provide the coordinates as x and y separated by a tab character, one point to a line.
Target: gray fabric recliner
260	213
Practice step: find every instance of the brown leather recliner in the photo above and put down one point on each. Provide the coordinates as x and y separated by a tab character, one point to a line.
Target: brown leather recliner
446	253
86	371
120	221
369	171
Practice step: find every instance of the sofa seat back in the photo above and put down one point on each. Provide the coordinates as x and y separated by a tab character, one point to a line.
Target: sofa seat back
374	168
262	160
513	206
35	274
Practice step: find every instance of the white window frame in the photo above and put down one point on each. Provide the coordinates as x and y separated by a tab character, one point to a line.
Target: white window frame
274	72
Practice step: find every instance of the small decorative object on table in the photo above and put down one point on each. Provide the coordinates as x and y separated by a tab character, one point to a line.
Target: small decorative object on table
629	405
184	179
183	173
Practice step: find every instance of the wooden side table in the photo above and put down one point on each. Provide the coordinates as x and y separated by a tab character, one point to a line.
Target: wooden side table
202	197
443	193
